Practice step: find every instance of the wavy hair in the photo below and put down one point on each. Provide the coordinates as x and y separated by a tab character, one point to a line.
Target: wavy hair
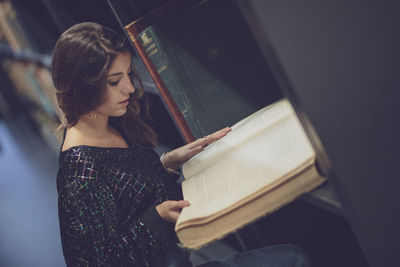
81	60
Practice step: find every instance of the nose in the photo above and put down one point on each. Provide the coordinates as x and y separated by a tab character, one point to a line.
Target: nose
128	86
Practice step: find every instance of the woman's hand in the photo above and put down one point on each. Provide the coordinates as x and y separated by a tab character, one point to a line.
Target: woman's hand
169	210
173	159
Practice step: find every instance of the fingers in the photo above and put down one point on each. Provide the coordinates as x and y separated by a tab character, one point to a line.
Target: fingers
180	204
224	131
206	140
175	208
194	151
217	135
174	216
169	210
221	132
196	143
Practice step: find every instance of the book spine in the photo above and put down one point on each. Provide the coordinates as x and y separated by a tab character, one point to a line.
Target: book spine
170	72
154	57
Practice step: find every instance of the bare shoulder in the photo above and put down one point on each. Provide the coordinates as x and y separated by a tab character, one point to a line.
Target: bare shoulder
76	137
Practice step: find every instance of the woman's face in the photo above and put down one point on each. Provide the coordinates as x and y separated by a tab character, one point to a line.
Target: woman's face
119	87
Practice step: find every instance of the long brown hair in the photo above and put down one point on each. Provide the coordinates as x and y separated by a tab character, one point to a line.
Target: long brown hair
81	59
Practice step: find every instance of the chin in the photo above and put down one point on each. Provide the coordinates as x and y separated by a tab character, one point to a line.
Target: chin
118	113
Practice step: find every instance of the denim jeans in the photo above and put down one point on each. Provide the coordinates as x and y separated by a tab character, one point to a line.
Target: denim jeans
272	256
177	257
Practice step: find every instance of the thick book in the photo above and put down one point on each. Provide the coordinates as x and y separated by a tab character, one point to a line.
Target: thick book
265	162
207	67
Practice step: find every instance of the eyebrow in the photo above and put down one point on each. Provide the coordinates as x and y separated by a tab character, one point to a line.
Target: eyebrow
115	74
118	73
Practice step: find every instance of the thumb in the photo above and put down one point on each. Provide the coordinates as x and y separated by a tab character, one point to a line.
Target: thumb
180	204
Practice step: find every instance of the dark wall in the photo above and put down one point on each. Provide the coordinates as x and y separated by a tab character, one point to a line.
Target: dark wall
342	62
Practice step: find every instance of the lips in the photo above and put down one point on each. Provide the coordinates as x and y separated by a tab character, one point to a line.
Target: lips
125	101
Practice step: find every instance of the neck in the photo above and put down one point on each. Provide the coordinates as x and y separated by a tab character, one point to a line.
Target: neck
95	125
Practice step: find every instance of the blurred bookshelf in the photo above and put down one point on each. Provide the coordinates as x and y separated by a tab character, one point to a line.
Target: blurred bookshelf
27	68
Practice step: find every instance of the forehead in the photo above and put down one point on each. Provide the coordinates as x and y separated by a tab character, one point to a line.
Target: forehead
121	63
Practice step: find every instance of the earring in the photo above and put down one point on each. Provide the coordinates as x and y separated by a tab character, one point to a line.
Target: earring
92	115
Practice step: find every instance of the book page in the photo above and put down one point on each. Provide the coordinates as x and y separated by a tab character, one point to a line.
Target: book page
259	161
241	131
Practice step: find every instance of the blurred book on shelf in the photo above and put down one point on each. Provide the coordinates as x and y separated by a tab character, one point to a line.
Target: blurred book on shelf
29	73
11	28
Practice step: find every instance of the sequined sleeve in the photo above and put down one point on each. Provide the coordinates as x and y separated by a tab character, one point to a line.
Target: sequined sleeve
90	231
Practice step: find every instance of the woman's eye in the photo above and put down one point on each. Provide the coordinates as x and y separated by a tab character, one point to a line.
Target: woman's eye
113	83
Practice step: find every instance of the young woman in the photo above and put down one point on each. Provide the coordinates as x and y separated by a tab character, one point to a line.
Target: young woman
118	201
114	208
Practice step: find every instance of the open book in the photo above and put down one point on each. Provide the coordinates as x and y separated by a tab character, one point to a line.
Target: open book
265	162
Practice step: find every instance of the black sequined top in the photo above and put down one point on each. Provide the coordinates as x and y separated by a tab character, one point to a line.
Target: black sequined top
106	204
